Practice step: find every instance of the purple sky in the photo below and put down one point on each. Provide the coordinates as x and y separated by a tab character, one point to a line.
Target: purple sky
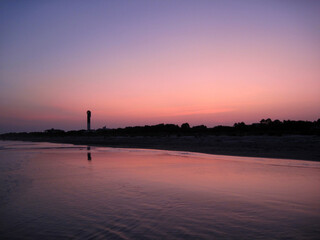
148	62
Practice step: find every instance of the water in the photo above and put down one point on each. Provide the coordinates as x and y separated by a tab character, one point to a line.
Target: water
54	191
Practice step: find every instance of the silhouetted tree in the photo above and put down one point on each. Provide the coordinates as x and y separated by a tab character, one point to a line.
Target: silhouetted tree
185	126
239	125
266	126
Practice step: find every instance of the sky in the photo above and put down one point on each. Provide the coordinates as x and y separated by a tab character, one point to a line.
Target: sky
148	62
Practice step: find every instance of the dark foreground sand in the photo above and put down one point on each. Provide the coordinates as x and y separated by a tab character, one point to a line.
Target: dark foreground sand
289	147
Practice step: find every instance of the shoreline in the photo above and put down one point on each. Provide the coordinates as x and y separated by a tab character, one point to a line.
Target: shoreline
297	147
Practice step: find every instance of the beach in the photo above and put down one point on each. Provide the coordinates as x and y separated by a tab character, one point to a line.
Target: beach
63	191
301	147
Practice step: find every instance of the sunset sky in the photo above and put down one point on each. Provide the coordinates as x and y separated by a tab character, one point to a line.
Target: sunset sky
149	62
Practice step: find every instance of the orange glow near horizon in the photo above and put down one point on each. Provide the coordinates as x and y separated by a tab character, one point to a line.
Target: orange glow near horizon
187	66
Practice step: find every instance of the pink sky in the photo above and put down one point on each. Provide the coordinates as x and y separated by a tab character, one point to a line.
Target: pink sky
203	63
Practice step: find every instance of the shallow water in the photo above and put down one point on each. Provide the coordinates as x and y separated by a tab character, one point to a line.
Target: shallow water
51	191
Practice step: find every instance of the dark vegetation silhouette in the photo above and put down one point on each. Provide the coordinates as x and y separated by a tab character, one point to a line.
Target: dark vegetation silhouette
264	127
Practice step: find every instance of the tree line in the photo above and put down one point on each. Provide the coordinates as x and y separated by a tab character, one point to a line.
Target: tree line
264	127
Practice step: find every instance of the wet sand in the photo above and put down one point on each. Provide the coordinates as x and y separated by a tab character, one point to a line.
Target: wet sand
55	191
288	147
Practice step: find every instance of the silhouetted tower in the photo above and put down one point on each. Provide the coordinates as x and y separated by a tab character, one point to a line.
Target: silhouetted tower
88	120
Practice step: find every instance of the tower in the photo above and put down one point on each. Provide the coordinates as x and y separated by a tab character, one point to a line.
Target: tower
88	119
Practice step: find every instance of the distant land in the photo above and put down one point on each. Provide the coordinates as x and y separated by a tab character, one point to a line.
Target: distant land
276	139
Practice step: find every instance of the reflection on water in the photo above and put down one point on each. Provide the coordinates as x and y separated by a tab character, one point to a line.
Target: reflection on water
49	192
89	153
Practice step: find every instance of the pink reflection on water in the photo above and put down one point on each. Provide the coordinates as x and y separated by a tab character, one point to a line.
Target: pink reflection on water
147	193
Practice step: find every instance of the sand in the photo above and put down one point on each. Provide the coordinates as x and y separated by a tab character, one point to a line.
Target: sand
287	147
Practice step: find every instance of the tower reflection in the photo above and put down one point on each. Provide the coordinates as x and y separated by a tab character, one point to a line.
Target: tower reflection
89	153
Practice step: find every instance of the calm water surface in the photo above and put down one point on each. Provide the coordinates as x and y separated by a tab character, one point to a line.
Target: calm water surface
60	191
